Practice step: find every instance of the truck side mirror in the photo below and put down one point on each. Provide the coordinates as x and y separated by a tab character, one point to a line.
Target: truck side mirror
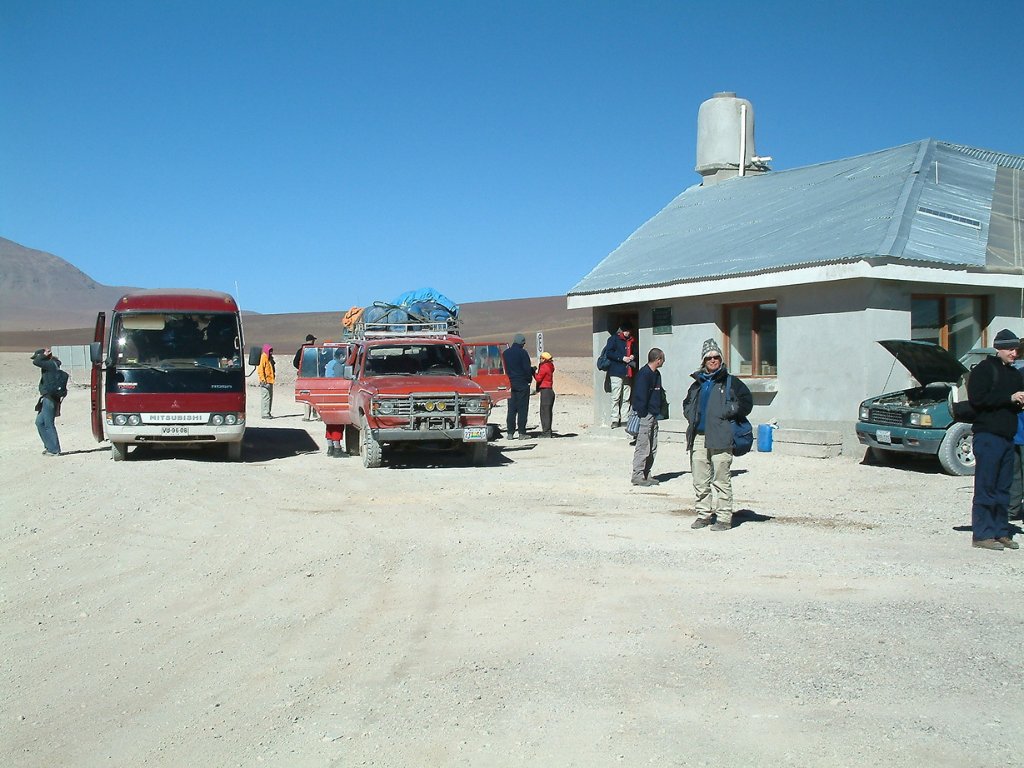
347	372
474	369
254	355
96	352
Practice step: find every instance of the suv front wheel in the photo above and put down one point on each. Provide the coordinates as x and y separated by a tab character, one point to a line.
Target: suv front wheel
956	452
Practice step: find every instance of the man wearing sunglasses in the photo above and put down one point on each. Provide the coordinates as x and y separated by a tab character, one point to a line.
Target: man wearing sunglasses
710	411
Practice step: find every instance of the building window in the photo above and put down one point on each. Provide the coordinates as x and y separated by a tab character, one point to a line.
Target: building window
954	322
751	340
661	320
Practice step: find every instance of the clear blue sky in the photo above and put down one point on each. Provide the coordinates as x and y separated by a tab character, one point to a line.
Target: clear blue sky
325	154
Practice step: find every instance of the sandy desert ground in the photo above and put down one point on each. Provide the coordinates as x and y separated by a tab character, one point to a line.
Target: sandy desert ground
296	610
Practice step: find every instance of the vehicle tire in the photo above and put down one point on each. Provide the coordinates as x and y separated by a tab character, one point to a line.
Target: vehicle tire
371	449
119	451
476	453
234	451
956	451
351	440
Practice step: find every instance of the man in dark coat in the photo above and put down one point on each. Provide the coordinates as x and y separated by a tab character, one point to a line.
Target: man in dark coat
995	392
48	407
520	377
647	399
711	411
619	349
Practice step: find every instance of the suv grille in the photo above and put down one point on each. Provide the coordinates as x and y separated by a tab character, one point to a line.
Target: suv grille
889	418
424	405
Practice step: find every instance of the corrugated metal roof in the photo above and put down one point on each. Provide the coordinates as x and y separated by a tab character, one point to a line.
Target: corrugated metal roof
927	201
989	156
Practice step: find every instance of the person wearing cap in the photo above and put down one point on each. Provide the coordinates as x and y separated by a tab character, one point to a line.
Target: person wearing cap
265	373
297	362
520	377
648	396
620	351
996	393
710	412
48	407
545	378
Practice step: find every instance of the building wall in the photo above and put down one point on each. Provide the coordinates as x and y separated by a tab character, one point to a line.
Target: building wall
828	358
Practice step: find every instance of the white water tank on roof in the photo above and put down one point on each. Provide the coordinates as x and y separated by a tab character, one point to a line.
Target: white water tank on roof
725	124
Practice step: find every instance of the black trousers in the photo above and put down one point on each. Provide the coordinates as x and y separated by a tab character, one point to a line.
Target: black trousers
547	404
518	406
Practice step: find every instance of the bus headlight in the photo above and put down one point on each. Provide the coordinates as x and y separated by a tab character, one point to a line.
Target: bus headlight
230	419
216	419
120	419
134	420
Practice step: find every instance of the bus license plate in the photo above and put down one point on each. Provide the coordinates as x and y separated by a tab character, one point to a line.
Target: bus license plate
474	435
173	430
884	436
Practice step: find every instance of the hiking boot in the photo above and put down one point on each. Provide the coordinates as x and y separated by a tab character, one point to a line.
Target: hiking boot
701	522
721	527
645	481
1008	543
330	450
988	544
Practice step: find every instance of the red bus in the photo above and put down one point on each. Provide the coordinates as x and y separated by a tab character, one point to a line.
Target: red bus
171	372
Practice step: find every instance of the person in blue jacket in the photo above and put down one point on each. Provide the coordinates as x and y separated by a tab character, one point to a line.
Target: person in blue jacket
520	378
1016	507
48	407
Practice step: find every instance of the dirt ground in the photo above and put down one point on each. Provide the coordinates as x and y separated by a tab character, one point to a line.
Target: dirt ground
297	610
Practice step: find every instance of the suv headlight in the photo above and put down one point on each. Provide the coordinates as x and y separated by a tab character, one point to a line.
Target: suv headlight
865	413
920	419
383	407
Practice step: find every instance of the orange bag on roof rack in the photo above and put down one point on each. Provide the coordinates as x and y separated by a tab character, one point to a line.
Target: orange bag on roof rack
352	318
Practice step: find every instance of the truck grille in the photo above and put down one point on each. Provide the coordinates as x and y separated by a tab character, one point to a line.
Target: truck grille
889	418
424	405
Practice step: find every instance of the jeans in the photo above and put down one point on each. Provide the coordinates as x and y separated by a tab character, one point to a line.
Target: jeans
46	427
1017	484
518	406
993	470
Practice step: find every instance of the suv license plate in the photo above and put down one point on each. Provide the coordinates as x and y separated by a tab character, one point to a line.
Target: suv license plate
173	430
884	436
474	435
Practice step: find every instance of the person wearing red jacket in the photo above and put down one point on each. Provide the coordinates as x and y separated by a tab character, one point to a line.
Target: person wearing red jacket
545	378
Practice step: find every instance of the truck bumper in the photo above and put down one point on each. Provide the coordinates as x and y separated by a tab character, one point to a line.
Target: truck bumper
464	435
900	439
160	433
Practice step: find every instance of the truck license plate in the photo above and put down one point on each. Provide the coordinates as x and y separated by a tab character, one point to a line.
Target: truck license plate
173	430
884	436
474	434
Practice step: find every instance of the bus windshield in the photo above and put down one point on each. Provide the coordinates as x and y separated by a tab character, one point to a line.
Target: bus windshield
176	340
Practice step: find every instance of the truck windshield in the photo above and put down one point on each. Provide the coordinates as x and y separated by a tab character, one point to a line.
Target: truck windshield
176	340
414	360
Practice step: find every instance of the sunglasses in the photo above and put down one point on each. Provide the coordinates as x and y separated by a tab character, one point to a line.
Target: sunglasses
713	357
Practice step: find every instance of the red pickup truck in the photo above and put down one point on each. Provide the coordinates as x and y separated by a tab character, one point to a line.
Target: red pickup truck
395	388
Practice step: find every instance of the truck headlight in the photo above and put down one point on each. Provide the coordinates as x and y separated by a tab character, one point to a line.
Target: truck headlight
475	405
383	407
865	413
920	419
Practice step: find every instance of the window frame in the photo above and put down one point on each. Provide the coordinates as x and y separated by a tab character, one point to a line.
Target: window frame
983	314
755	333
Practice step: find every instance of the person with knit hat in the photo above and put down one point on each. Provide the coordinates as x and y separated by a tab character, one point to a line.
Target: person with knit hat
545	378
710	411
520	377
996	393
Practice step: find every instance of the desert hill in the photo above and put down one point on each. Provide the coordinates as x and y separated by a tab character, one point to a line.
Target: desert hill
45	300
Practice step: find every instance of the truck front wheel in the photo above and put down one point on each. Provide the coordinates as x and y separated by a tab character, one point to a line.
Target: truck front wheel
351	440
956	451
476	453
372	450
119	451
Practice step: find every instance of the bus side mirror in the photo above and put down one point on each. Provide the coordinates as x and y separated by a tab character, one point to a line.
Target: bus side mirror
254	355
96	352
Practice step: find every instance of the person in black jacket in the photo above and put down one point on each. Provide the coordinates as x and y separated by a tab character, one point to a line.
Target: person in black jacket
710	411
520	377
995	392
48	406
620	351
646	403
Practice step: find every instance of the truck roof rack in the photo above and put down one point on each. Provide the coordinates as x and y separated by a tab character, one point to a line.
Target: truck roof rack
440	329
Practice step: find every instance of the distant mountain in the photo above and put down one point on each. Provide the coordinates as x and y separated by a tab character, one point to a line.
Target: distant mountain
40	291
46	300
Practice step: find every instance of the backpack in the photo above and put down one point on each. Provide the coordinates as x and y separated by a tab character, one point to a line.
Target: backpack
60	384
603	363
742	431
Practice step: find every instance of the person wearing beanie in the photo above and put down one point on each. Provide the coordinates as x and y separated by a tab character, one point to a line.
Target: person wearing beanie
620	349
265	373
710	411
520	377
996	393
1016	508
545	378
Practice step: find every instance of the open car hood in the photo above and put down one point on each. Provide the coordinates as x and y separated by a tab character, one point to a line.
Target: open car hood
927	362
